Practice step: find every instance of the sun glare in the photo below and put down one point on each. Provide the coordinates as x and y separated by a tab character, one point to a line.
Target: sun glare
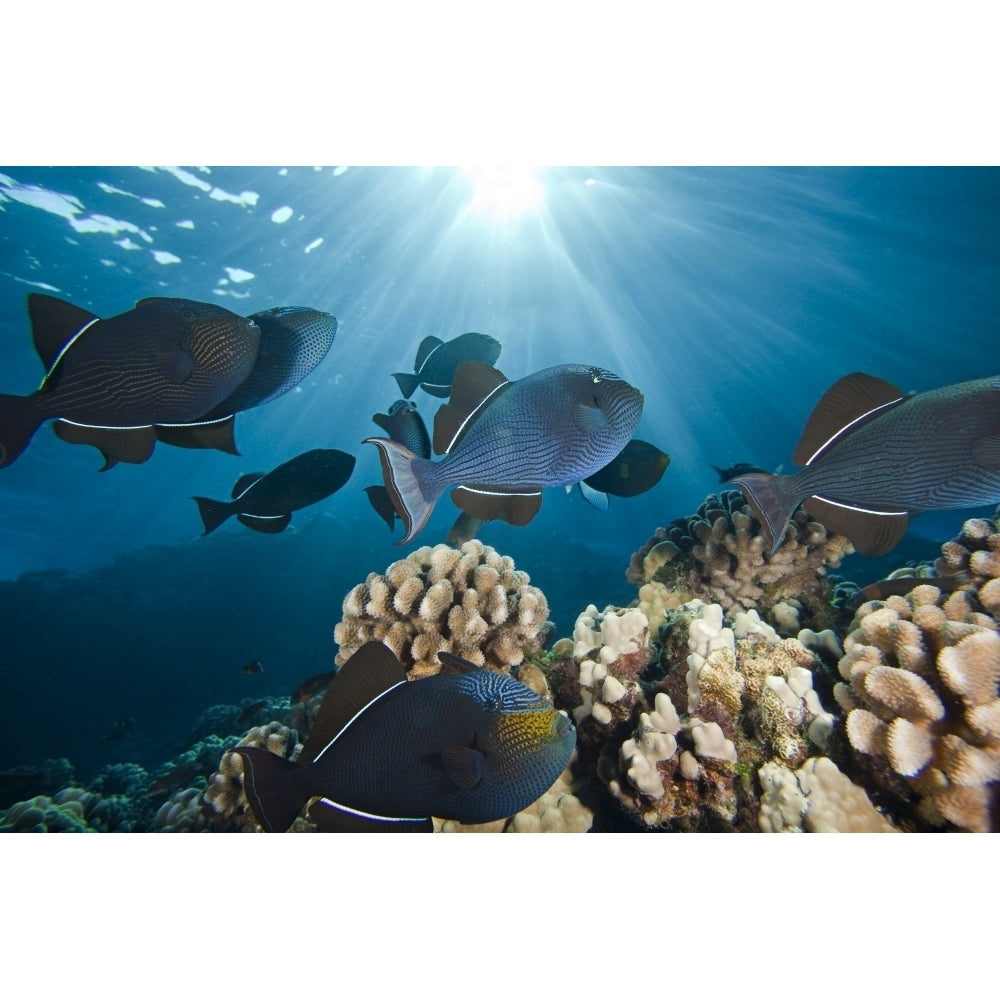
504	193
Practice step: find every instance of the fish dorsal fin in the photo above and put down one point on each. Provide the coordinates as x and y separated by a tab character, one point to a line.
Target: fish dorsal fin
245	482
154	300
367	675
463	766
218	434
54	322
456	664
845	406
427	347
475	386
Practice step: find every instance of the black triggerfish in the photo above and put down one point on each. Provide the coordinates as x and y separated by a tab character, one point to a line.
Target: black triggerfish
386	754
165	361
265	501
505	441
437	360
872	457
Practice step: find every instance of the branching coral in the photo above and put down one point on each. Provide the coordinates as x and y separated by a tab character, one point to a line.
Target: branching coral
719	555
922	700
71	810
470	601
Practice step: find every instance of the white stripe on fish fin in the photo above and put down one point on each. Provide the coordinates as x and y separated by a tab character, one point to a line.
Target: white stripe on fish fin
69	343
360	711
846	430
373	816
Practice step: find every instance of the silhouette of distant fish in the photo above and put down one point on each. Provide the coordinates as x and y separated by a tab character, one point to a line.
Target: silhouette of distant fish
404	425
387	754
293	341
249	712
437	360
739	469
265	501
505	441
873	457
165	361
637	468
253	667
311	685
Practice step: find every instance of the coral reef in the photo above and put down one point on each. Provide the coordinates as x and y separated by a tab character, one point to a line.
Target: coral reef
470	601
817	798
922	698
718	555
70	810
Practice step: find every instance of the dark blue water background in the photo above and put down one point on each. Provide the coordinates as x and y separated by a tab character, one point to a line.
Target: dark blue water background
731	297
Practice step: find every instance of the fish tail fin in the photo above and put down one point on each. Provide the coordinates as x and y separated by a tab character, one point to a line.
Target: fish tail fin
407	382
271	787
772	503
213	512
18	424
401	473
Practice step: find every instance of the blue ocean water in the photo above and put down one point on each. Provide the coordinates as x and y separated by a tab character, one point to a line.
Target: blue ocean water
731	297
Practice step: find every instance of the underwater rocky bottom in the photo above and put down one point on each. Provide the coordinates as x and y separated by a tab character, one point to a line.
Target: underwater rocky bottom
736	692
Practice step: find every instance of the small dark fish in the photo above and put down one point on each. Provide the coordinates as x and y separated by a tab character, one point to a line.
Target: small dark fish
312	685
243	719
739	469
505	441
637	468
437	360
265	501
873	457
253	667
110	380
180	777
405	426
387	754
121	729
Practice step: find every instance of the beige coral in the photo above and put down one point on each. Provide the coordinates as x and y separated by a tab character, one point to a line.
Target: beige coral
471	601
922	686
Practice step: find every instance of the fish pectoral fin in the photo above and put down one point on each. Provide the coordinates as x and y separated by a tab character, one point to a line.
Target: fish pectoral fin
589	419
216	434
488	504
463	765
986	451
871	532
332	817
850	402
177	366
117	444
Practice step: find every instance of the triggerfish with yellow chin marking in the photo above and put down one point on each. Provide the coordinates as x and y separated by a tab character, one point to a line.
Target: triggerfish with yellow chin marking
386	754
165	361
505	441
873	457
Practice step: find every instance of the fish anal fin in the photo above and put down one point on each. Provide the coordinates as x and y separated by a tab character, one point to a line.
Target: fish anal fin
475	386
245	482
872	533
463	766
216	434
850	402
332	817
487	504
986	451
53	323
265	525
117	444
368	674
